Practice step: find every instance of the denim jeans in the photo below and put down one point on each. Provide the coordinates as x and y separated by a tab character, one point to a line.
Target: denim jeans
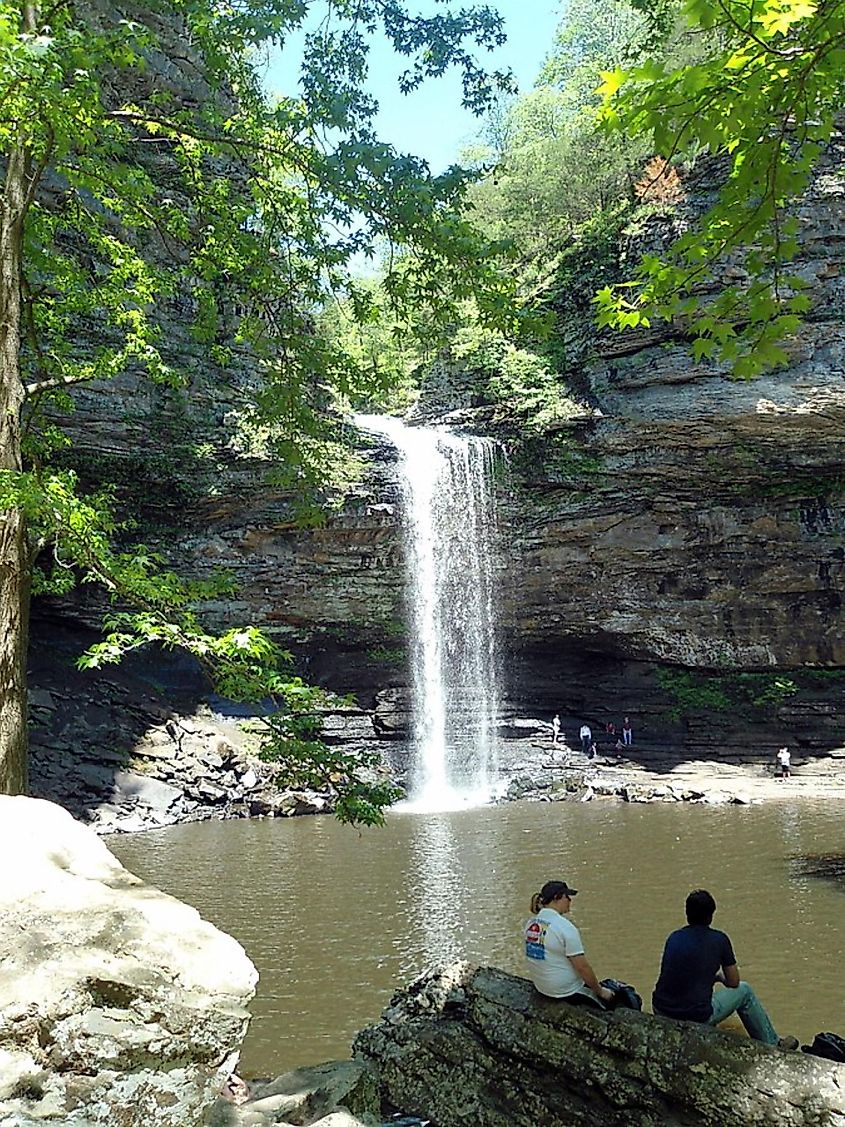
743	1001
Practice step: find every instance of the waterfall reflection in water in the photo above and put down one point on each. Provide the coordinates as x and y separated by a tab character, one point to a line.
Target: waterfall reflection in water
438	888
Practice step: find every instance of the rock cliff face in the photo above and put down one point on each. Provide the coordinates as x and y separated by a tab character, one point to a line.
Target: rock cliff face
694	520
475	1045
675	553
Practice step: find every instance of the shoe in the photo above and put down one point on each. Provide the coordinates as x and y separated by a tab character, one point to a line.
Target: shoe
790	1044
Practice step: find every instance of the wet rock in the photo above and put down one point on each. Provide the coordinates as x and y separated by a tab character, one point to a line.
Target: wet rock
392	715
211	792
717	798
348	725
118	1004
41	698
144	789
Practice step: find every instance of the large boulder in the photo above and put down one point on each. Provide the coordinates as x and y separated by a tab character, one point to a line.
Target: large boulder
118	1004
472	1045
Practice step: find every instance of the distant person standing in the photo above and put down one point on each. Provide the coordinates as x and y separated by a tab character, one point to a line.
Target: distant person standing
555	729
784	761
627	732
586	738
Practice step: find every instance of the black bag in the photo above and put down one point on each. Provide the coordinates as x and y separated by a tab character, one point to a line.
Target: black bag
625	996
828	1045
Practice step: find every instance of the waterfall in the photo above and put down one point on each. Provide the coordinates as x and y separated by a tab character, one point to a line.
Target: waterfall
449	525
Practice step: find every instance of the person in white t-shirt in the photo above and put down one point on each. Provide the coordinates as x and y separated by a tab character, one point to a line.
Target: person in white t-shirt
783	761
554	953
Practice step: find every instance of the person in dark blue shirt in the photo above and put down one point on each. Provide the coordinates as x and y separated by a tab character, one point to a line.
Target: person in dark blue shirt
694	958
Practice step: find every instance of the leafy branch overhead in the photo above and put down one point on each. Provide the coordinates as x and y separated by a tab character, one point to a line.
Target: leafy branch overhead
764	98
143	185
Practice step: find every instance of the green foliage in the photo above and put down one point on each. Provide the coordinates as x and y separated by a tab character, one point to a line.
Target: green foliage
592	37
821	678
550	170
384	347
355	778
249	214
517	379
387	656
750	694
593	258
766	98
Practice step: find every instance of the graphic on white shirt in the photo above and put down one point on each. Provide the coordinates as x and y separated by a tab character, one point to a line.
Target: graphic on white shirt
535	940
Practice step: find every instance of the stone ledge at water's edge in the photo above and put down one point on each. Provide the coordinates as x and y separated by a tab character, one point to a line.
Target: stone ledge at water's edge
465	1045
144	748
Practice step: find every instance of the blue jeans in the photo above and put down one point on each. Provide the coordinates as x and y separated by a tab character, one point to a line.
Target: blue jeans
743	1001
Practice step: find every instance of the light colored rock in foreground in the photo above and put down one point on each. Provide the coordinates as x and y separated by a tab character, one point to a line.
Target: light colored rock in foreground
467	1045
118	1004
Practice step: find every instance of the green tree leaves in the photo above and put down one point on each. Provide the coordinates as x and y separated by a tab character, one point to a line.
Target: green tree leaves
136	184
765	98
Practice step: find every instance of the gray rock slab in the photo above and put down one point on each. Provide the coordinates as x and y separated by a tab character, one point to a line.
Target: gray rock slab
474	1045
304	1095
145	789
341	726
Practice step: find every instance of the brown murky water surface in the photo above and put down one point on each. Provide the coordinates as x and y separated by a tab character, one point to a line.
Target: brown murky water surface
335	921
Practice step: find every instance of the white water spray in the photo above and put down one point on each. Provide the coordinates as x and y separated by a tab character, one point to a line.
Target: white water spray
449	522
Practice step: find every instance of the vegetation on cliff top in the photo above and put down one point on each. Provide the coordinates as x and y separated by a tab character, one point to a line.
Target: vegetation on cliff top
765	95
132	192
631	95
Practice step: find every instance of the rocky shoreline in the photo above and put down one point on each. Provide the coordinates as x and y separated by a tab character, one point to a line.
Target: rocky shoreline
124	1005
123	761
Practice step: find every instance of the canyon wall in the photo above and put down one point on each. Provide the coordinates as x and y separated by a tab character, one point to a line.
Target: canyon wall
675	550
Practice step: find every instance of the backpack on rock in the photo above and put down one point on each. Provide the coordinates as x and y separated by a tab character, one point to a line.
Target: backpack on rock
625	996
828	1045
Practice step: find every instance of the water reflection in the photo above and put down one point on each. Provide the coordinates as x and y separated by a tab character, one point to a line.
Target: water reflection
438	888
335	921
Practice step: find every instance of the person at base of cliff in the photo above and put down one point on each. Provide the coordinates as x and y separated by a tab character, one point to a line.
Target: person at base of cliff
783	761
586	737
556	729
627	732
554	951
694	958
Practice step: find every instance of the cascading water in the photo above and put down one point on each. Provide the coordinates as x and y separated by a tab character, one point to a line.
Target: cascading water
449	522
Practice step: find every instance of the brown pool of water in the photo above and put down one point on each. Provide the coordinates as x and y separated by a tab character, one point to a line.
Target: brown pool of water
335	920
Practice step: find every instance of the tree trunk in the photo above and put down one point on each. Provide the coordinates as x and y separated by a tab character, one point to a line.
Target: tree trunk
14	551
